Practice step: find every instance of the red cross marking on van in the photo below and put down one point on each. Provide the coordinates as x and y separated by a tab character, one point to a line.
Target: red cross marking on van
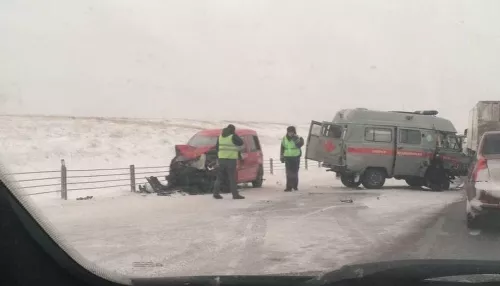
329	146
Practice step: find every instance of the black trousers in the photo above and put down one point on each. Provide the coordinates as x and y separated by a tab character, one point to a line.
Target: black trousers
226	176
292	165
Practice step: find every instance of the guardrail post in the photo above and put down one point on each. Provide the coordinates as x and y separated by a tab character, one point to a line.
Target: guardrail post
306	166
132	178
271	166
319	164
64	182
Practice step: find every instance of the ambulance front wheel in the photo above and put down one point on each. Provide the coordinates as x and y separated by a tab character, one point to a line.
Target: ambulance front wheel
348	181
373	178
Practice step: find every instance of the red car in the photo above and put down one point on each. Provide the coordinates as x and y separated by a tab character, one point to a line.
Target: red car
199	152
483	182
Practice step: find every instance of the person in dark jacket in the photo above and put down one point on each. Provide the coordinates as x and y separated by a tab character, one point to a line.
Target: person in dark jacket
228	153
290	154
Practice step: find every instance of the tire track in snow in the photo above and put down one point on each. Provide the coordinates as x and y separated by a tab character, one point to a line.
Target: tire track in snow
326	212
247	254
240	252
157	247
340	215
210	251
251	252
360	230
133	232
212	261
228	245
201	245
114	249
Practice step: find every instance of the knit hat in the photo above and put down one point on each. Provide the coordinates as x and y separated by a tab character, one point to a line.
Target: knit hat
231	128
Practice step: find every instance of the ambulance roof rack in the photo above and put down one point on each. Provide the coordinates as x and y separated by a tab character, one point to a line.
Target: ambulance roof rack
406	112
426	112
422	112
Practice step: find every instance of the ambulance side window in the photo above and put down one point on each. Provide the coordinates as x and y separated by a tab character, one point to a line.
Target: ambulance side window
332	131
408	136
375	134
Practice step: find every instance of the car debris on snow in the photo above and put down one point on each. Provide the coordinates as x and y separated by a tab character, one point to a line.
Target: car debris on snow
154	185
84	198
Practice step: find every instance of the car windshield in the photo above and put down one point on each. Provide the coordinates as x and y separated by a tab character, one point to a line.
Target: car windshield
342	113
202	140
491	144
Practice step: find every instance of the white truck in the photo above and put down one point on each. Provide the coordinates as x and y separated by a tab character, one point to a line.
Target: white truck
484	116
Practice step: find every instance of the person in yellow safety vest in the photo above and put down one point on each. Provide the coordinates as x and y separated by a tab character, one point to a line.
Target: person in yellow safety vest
290	154
228	153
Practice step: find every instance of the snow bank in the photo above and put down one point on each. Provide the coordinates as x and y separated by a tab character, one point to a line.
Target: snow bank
38	143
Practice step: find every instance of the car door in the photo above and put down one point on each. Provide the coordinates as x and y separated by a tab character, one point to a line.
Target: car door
255	157
251	159
239	162
243	165
324	143
410	153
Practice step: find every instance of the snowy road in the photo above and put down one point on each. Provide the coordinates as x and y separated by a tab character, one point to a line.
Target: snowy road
447	237
269	232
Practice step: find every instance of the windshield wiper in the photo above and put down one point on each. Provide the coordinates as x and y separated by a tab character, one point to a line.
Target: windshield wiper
407	270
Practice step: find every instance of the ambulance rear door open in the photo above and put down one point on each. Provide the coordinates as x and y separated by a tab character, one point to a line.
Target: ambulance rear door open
325	143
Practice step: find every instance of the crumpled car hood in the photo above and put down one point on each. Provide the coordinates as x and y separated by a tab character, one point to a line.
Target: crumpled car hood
190	152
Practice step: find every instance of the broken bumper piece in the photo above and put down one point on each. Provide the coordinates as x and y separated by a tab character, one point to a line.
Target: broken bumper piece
195	176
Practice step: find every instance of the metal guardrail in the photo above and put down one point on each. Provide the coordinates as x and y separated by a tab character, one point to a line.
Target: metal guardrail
87	179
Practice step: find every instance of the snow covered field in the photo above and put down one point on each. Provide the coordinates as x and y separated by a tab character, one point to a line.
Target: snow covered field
271	231
39	143
109	143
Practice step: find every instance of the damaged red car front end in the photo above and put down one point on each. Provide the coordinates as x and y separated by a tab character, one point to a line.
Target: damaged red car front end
193	169
188	152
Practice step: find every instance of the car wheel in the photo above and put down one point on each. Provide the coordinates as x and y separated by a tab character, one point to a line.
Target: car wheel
348	181
373	178
259	180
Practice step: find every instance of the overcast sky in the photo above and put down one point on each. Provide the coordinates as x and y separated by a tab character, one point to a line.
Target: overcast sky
247	60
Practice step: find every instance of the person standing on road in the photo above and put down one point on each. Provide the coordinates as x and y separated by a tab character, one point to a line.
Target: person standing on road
290	154
228	153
